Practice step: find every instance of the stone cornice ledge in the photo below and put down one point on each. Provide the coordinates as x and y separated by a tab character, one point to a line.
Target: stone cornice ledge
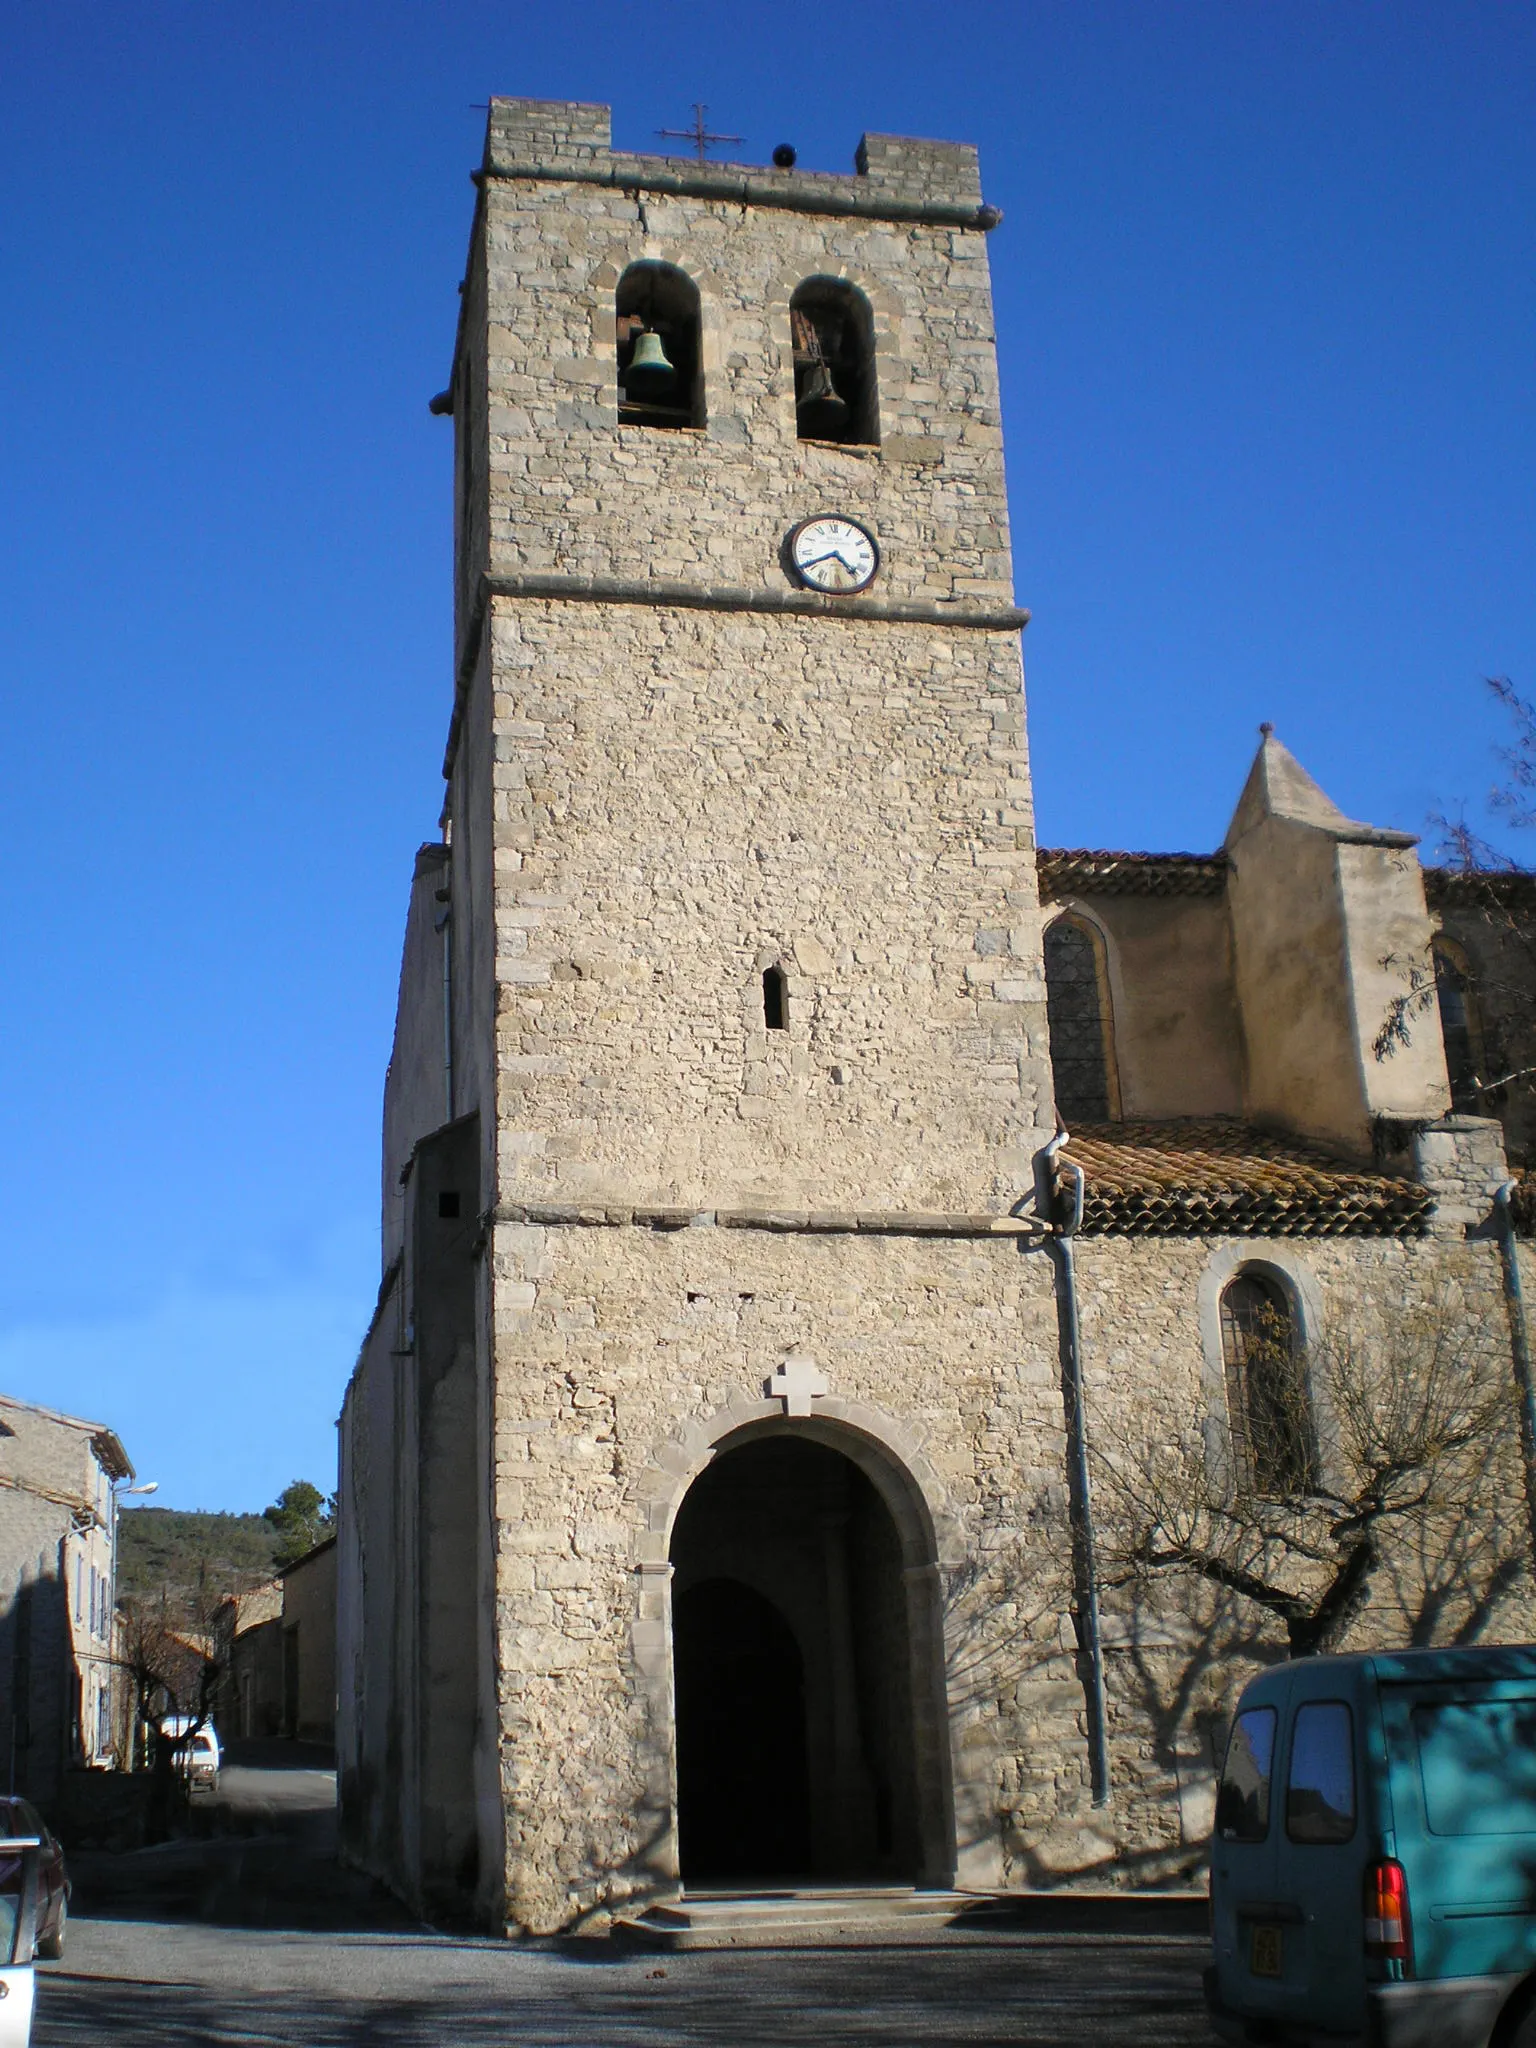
744	188
727	597
789	1222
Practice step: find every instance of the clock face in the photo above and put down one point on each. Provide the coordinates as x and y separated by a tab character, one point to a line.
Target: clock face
834	555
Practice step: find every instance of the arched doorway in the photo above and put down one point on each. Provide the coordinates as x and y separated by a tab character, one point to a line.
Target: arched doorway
797	1751
741	1719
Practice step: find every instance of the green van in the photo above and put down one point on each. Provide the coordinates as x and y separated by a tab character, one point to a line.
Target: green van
1373	1865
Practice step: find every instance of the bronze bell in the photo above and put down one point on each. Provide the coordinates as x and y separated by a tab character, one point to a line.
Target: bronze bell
649	374
821	412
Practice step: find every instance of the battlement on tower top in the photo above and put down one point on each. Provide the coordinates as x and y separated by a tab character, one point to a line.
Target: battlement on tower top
895	177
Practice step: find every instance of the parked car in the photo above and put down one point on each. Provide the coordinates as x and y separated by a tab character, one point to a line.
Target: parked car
1373	1865
21	1817
19	1888
197	1751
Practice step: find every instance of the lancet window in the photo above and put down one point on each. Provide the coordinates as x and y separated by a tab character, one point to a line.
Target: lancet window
1267	1400
1081	1023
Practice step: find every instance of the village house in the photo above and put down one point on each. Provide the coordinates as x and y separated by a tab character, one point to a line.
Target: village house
58	1557
755	1366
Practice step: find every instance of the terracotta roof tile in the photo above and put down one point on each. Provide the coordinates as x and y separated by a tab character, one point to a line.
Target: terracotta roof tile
1479	888
1079	871
1225	1179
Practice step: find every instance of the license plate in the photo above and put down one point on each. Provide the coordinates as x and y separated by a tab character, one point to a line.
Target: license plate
1266	1952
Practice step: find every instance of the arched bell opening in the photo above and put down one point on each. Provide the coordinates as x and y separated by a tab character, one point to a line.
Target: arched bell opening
833	331
660	362
810	1744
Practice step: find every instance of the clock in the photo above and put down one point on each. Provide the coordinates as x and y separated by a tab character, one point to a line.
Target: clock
834	555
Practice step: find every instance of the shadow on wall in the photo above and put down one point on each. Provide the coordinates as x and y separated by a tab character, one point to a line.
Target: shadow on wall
38	1706
1173	1671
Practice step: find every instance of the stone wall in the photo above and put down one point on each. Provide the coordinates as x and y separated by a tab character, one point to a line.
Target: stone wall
629	1356
682	801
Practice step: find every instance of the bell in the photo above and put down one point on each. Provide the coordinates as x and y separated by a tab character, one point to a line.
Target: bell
820	411
649	373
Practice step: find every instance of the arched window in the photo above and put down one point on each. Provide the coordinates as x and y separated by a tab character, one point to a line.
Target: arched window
1081	1027
1459	1024
1267	1405
661	378
833	332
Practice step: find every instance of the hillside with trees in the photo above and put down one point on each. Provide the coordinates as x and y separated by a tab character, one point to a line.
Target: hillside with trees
187	1556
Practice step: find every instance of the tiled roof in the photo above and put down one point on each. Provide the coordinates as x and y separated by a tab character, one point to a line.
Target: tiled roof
1078	871
1219	1178
1479	888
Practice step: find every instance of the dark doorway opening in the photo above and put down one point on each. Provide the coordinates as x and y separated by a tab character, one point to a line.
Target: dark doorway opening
796	1757
740	1730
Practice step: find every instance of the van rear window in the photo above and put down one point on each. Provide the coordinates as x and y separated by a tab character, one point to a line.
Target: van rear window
1320	1791
1242	1804
1477	1760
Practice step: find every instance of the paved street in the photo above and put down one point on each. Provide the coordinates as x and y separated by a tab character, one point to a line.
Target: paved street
175	1986
248	1932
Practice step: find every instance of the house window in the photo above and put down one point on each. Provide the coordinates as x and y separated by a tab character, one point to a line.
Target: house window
833	331
775	999
1081	1026
1267	1403
1459	1024
661	379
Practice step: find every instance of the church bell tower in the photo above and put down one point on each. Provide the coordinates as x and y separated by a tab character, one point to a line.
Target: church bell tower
748	1020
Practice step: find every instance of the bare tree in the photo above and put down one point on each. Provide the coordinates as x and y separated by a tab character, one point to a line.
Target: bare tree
1494	893
175	1654
1382	1463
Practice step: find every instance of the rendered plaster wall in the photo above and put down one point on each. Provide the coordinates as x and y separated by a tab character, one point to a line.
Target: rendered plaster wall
1177	1045
309	1609
1327	933
1291	955
1382	892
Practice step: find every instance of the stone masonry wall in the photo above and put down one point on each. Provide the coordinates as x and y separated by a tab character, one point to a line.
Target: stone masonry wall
682	800
625	1353
572	491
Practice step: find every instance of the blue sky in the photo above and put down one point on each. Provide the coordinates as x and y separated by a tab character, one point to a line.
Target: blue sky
1265	293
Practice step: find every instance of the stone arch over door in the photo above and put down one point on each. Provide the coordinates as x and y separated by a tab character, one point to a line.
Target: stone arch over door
906	1811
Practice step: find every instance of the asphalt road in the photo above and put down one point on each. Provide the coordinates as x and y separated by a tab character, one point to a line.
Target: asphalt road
173	1986
247	1931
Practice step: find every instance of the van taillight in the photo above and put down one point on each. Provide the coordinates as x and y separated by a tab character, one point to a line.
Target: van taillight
1387	1932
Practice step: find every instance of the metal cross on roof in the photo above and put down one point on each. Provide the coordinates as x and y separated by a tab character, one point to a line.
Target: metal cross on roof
698	134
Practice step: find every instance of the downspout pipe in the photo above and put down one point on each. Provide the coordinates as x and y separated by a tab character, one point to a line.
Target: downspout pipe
1085	1558
1519	1342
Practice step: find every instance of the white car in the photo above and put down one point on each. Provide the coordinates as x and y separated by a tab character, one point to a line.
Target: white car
20	1886
198	1754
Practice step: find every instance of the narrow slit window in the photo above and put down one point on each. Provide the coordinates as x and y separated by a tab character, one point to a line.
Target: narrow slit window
775	999
660	362
833	332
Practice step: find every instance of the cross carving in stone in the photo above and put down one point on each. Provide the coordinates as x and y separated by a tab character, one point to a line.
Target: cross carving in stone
798	1382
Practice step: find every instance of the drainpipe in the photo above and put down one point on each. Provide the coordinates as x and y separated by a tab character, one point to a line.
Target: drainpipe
1063	1253
444	923
1519	1342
